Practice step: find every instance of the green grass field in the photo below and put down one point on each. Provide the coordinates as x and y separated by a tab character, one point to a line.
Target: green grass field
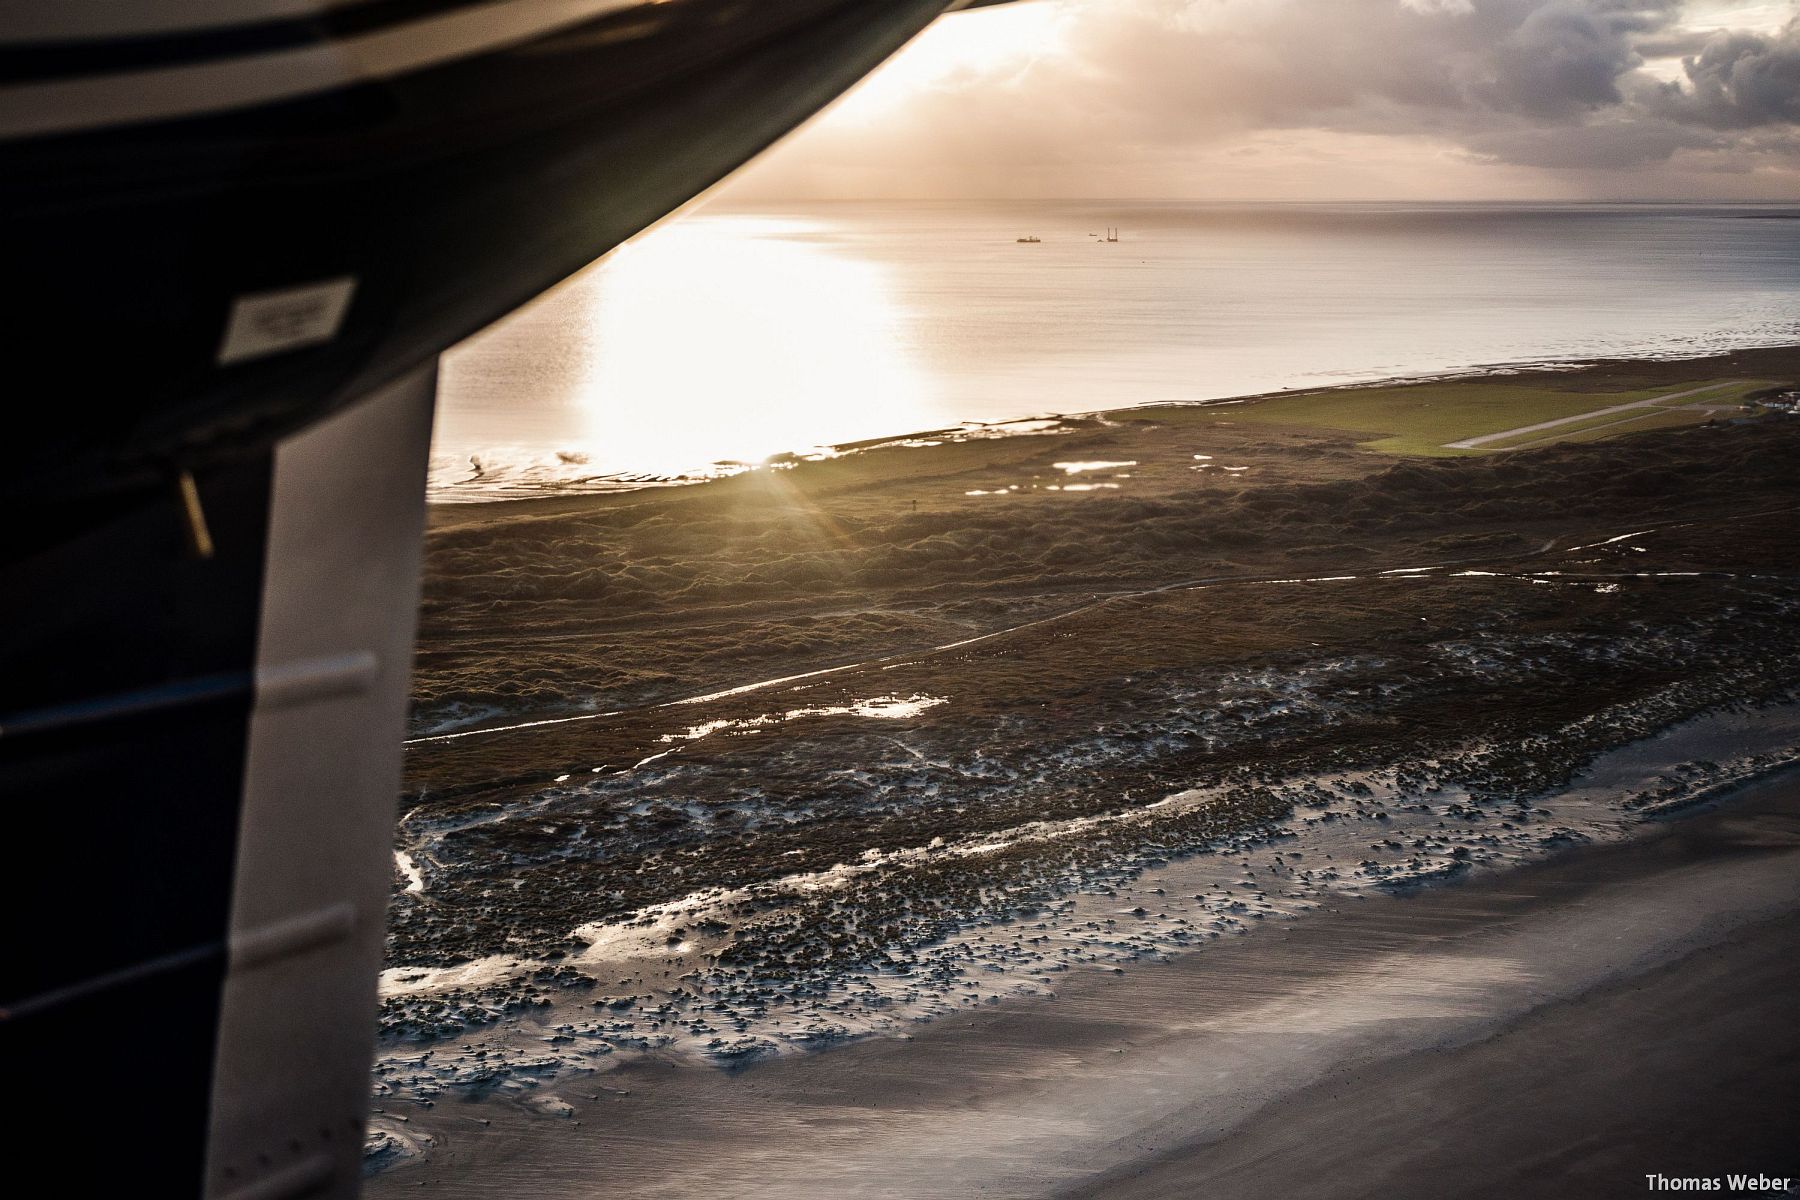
1421	418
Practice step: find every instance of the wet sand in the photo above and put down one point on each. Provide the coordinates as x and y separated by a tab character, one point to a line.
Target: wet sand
1559	1029
1691	1070
1687	1069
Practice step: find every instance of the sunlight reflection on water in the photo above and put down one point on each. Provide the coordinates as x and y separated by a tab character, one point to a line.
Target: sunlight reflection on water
732	335
702	343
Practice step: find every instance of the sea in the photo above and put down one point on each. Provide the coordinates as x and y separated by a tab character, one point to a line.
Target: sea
732	333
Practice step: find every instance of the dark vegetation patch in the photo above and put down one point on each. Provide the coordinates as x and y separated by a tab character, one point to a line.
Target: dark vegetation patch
1505	683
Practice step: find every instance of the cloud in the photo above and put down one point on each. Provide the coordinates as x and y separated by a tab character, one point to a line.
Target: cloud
1738	81
1138	88
1567	58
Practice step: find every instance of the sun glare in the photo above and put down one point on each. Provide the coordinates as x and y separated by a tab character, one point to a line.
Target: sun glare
988	42
711	308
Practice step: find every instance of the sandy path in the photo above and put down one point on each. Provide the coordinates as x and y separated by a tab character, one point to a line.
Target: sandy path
1484	439
1624	984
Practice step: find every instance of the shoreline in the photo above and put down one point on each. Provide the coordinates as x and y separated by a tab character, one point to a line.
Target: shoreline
1132	1081
1586	374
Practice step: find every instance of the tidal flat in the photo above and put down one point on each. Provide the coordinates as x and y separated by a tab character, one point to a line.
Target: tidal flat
721	774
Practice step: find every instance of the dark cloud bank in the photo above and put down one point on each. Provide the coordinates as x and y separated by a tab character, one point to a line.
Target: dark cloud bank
1581	85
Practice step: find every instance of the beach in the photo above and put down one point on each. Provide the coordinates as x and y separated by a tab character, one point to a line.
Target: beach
1557	1031
901	759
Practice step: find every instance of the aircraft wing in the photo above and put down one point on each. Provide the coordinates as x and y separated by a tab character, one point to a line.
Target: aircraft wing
236	234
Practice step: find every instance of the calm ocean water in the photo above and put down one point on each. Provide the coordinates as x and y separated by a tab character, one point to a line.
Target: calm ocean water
731	334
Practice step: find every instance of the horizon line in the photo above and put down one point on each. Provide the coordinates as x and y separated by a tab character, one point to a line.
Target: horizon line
1683	201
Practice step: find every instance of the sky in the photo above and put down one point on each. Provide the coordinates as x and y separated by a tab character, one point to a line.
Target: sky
1319	100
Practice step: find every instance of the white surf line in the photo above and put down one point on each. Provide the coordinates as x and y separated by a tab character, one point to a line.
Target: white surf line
1472	443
